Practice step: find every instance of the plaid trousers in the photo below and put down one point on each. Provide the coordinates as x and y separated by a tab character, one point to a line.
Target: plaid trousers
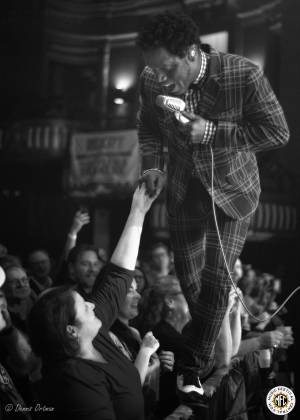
201	269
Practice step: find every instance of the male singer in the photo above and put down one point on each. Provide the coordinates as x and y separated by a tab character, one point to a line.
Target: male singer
234	111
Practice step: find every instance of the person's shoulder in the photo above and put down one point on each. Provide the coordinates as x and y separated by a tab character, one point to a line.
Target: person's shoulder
113	271
227	62
237	63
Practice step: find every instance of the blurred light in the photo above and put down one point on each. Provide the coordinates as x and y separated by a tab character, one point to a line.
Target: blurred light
119	101
258	59
124	81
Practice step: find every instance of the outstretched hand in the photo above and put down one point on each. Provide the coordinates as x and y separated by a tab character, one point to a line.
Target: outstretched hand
142	200
154	181
81	218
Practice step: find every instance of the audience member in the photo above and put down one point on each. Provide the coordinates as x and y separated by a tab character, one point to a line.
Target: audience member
84	374
141	279
84	266
159	263
20	297
17	357
39	265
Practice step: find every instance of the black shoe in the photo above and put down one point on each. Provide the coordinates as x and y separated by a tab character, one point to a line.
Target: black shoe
190	390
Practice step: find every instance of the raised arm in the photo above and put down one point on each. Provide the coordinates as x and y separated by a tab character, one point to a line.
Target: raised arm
126	251
148	347
112	285
235	322
81	218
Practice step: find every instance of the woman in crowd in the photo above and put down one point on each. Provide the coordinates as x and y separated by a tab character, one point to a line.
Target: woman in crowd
128	339
19	295
84	374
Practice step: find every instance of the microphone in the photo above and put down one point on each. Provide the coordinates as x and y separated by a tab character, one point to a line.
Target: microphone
173	104
170	103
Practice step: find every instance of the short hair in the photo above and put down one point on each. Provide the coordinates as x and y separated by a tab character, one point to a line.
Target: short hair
78	250
34	251
47	324
157	245
174	32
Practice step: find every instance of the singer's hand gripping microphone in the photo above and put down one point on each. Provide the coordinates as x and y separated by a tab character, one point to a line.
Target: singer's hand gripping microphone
172	104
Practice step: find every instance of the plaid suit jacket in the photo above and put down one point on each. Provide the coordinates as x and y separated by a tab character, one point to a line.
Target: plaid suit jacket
239	100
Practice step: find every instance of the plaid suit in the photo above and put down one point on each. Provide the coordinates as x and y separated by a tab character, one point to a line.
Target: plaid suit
238	99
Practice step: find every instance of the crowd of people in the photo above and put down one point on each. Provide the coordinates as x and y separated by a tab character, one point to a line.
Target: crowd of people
102	337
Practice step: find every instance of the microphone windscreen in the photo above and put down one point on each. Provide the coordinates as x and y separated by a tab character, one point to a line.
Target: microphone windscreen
170	103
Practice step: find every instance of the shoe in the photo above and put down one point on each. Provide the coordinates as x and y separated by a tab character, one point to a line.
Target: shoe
190	390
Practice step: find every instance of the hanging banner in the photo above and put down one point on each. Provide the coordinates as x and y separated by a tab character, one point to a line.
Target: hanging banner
103	162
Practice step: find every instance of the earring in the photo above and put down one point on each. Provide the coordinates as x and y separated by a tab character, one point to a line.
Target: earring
193	52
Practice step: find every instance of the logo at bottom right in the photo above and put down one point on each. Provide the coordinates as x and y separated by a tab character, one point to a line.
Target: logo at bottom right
280	400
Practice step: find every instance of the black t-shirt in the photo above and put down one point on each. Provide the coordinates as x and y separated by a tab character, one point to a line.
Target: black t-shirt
86	390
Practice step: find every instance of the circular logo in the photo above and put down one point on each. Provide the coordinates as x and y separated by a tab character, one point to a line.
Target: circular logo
280	400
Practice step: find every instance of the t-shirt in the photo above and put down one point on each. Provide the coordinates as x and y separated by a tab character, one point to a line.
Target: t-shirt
83	389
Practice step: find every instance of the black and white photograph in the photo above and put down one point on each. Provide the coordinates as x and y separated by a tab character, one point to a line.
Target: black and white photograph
149	210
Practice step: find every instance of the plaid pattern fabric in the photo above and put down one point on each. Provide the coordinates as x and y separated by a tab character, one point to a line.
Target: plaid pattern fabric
200	267
245	117
203	67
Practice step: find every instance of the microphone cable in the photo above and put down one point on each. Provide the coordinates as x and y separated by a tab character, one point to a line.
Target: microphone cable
225	260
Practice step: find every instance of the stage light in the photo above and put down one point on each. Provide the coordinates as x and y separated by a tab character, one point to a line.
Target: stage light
119	101
123	82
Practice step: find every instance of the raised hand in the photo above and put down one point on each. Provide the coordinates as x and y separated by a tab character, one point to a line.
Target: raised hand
167	360
154	181
234	302
150	343
81	218
287	339
141	200
270	339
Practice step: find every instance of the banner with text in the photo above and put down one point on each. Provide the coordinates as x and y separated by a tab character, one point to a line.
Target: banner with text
103	162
